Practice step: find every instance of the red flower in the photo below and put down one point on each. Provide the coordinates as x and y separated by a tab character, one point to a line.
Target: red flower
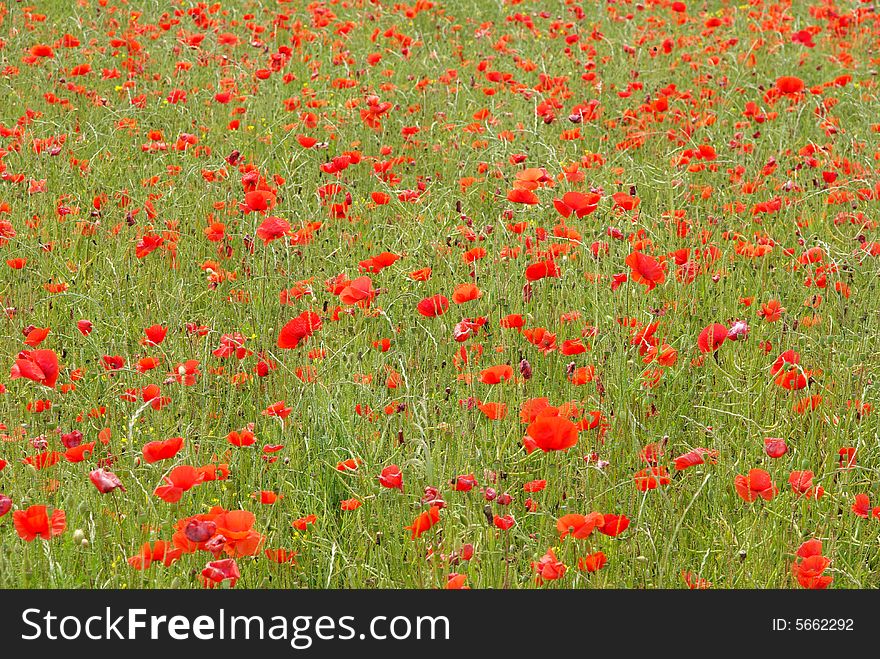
424	521
712	337
35	522
391	477
593	562
808	570
217	571
161	450
651	478
775	447
579	526
756	484
41	366
105	481
551	433
430	307
646	270
548	568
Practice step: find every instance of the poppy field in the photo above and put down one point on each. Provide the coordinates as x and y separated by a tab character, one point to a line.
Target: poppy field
439	294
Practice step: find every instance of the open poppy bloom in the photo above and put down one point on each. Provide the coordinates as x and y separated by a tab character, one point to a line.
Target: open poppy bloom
41	366
217	572
645	270
161	450
424	521
35	522
810	565
593	562
180	480
157	552
756	485
548	568
651	478
550	433
579	526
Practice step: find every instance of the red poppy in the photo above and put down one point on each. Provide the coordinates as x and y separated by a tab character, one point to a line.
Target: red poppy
548	568
756	485
161	450
433	306
36	522
299	330
579	526
712	337
651	478
391	477
178	481
38	365
424	522
789	85
646	270
592	562
550	433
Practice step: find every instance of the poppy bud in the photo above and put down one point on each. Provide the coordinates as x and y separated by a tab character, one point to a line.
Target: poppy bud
79	535
525	369
5	504
467	552
575	117
504	499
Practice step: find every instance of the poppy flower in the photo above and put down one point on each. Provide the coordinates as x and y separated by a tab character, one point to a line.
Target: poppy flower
542	270
651	478
430	307
578	203
360	290
504	523
216	572
614	525
809	566
391	477
695	457
579	526
259	200
789	85
551	433
548	568
645	270
272	228
496	374
592	562
775	447
712	337
455	581
756	485
302	523
424	521
157	552
161	450
105	481
299	330
41	366
178	481
35	522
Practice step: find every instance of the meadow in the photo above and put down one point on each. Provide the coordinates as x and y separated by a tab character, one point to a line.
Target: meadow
372	294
